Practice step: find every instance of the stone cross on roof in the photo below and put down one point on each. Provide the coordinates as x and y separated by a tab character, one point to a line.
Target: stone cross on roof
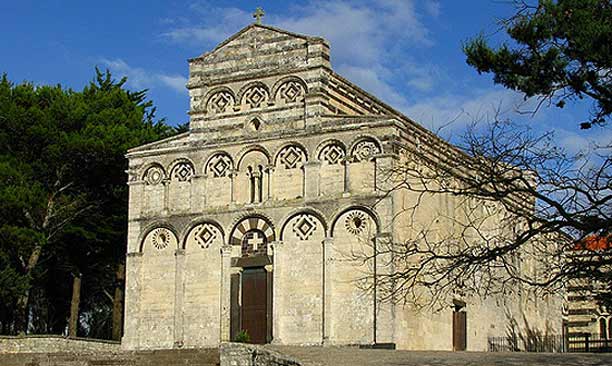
259	13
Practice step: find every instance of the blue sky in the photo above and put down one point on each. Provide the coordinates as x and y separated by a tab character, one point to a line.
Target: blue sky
408	53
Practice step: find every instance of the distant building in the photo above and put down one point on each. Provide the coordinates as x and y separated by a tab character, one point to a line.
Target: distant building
584	314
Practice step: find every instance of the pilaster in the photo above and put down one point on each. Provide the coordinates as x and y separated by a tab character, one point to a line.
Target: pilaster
327	271
277	296
133	282
225	316
179	297
384	310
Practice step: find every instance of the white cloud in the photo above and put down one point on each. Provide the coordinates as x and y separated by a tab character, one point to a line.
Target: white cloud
452	112
140	78
226	21
584	141
432	8
366	36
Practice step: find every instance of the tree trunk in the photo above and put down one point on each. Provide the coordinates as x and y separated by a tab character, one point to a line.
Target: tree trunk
74	306
21	313
118	303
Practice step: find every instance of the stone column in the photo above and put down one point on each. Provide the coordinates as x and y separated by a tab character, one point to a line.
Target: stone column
347	176
179	287
232	174
131	321
225	317
311	179
327	273
384	311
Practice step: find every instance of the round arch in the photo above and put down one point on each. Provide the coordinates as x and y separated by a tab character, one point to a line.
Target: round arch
310	211
216	90
248	86
153	226
248	149
199	221
287	79
214	154
287	144
249	222
372	214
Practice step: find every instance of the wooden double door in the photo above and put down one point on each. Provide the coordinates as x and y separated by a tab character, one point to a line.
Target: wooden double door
256	309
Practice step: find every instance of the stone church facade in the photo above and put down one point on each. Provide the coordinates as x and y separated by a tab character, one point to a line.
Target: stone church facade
244	221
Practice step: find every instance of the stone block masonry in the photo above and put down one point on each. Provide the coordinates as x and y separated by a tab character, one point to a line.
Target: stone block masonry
238	354
54	344
183	357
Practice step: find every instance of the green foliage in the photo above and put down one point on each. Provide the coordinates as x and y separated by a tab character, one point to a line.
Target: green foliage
63	196
243	337
561	50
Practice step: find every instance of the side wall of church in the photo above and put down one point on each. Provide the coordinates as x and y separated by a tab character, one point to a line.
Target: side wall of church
440	216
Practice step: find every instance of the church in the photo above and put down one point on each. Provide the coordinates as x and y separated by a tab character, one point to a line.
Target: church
242	224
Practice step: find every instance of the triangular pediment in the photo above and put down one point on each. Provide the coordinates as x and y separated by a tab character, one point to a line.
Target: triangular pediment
247	35
260	48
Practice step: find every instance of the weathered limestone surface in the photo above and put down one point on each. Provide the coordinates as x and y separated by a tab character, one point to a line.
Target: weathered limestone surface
175	357
49	343
284	161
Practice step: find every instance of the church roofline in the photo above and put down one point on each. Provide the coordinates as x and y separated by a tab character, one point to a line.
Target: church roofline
255	25
392	112
147	147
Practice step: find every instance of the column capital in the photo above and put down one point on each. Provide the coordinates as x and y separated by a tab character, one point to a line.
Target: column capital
226	250
179	252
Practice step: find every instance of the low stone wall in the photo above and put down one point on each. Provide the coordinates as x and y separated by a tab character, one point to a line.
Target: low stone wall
241	354
54	344
173	357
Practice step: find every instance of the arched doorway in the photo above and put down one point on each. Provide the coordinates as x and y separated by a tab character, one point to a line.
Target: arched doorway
251	287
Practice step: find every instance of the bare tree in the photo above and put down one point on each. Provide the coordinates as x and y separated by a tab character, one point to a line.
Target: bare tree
508	212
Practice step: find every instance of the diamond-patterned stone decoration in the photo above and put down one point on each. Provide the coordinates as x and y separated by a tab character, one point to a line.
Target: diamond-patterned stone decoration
154	175
291	91
364	150
304	226
219	165
205	235
291	156
220	102
255	96
332	154
161	238
355	222
183	171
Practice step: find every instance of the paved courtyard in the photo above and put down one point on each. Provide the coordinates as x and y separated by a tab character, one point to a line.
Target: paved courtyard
311	356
